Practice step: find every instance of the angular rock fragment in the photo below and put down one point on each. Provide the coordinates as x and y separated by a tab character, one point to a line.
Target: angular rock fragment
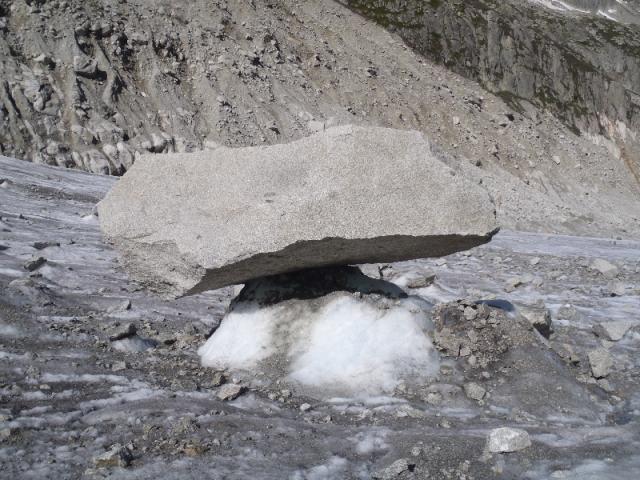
116	456
395	469
474	391
540	319
504	440
123	331
186	223
421	281
607	269
230	391
601	362
613	331
35	263
84	66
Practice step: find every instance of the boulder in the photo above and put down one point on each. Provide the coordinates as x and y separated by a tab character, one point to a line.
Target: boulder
186	223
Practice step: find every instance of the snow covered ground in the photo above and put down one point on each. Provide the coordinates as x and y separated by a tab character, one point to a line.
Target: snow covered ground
74	380
616	10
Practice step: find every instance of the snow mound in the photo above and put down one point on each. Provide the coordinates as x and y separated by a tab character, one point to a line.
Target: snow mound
339	343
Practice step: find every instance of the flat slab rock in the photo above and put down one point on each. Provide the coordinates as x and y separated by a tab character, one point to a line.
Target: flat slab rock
186	223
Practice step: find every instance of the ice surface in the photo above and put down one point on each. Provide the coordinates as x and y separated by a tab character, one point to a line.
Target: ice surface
334	468
345	344
89	408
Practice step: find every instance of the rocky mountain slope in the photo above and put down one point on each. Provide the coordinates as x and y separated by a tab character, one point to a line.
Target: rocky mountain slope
94	84
563	57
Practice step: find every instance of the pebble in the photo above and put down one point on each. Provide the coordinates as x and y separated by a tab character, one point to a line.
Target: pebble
505	440
124	331
230	391
474	391
395	469
607	269
116	456
540	319
601	362
35	263
421	282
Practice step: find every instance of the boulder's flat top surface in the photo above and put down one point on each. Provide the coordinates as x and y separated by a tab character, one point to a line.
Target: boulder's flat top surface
191	222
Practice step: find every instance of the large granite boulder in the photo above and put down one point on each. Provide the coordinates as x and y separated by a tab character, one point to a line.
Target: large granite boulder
186	223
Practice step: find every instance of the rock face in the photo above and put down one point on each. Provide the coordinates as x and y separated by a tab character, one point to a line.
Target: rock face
580	66
186	223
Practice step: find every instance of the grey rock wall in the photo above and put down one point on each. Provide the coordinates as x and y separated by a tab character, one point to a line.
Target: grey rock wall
583	68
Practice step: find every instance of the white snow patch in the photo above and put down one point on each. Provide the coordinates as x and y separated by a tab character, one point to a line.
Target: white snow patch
372	441
9	331
335	467
340	344
13	356
84	378
121	398
10	272
133	344
244	338
367	349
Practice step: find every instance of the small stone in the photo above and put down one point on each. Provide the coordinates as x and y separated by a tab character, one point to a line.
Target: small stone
45	60
421	282
470	313
305	407
84	66
607	269
218	379
534	261
230	391
616	289
123	331
35	263
474	391
43	245
613	331
505	439
395	469
117	456
285	393
434	398
119	366
601	362
540	319
194	449
456	120
513	283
